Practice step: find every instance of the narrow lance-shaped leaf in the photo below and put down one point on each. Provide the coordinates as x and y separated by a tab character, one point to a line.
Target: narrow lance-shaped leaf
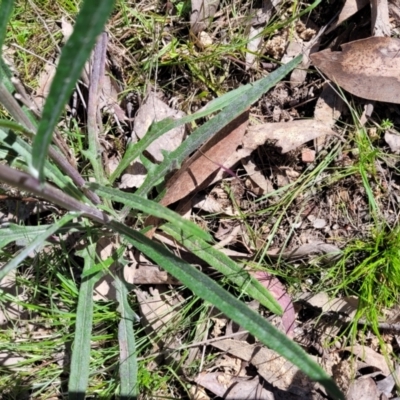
157	129
152	208
80	360
223	102
6	8
222	263
14	263
214	125
89	24
128	367
207	289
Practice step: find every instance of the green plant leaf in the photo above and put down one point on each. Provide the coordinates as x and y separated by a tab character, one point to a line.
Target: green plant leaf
214	125
23	149
35	244
226	266
6	8
208	290
89	24
128	365
80	360
103	266
226	101
150	207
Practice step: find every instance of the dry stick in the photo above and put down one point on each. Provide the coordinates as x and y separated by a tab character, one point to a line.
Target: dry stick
26	182
15	110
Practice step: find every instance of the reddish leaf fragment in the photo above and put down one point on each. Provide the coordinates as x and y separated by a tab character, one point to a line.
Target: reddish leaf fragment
280	294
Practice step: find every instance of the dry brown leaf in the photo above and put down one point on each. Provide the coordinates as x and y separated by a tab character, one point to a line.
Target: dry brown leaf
209	204
10	311
9	360
257	176
385	386
44	83
345	305
104	289
329	106
253	44
148	275
368	68
393	140
109	97
133	176
202	14
198	393
195	172
326	252
286	135
327	110
153	110
363	388
233	388
158	311
272	367
370	357
349	9
380	25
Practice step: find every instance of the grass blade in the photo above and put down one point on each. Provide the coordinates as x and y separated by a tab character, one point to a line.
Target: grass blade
89	24
214	125
128	365
35	244
207	289
226	266
152	208
80	361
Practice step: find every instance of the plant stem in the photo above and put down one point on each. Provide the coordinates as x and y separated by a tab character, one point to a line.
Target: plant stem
26	182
